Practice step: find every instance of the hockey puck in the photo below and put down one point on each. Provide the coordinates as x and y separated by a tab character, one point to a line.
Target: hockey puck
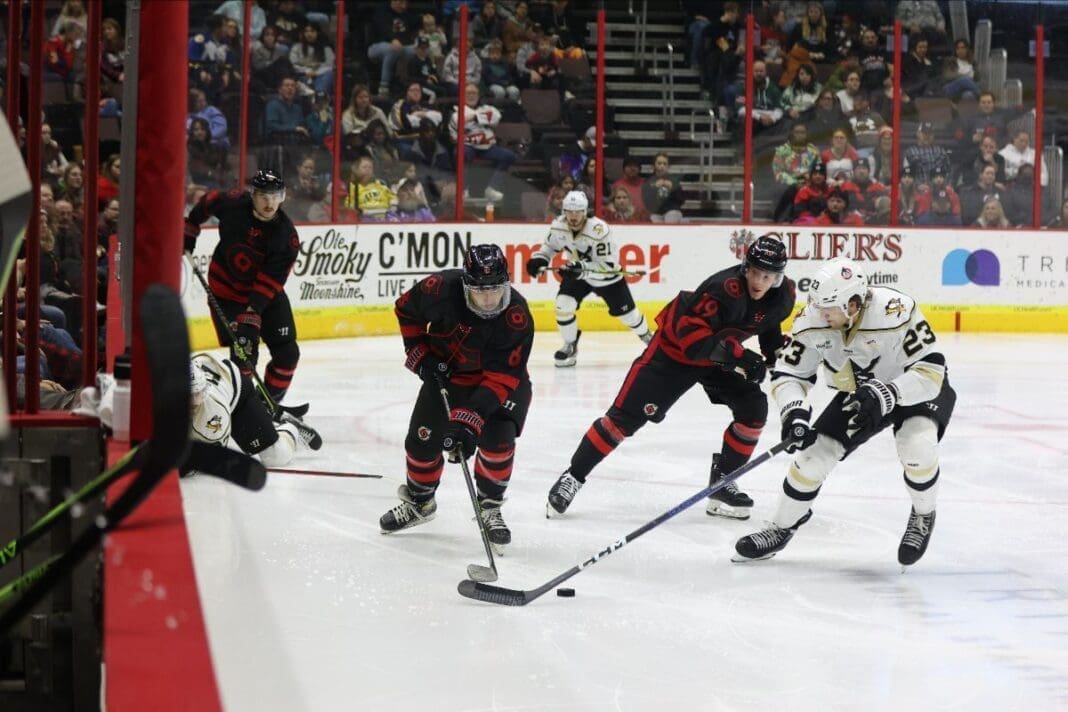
565	592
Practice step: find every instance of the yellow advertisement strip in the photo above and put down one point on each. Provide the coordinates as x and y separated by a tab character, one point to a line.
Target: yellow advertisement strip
346	322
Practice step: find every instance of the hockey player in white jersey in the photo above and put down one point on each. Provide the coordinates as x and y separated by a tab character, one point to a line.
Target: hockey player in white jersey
592	267
882	357
225	405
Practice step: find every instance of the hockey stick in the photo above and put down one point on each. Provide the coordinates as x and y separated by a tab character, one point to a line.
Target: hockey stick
607	272
167	346
475	572
322	473
515	597
276	408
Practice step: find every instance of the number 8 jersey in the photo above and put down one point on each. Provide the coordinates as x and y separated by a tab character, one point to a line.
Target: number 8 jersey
890	340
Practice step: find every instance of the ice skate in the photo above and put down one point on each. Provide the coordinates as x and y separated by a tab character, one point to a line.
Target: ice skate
765	543
496	530
917	535
561	494
308	436
729	501
568	353
408	513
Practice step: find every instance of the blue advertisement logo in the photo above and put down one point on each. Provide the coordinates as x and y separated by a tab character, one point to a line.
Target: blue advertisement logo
963	267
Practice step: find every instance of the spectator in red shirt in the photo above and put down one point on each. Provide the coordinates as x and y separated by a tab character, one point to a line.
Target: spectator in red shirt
812	198
622	208
59	50
107	183
837	211
631	181
864	191
938	185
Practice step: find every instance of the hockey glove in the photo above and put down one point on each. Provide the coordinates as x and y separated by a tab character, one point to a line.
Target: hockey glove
461	433
246	328
190	233
537	265
574	270
423	363
870	403
753	366
796	429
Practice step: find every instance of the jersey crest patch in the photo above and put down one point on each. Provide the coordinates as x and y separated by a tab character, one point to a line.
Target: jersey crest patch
650	409
733	287
517	318
598	229
215	424
423	433
431	285
895	307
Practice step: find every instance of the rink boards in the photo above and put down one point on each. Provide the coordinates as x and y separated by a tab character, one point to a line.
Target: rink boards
347	277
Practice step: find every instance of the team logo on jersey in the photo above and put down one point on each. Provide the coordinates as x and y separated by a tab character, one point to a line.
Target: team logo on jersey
650	409
895	307
432	284
215	424
598	228
733	287
847	273
517	318
759	317
423	433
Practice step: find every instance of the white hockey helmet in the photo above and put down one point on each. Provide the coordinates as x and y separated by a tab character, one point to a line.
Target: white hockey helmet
576	200
835	283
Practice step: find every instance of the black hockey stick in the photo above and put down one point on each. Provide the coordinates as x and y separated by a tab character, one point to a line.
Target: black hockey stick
322	473
276	408
605	272
475	572
515	597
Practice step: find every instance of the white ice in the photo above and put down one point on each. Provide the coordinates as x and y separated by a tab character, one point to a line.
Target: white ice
309	607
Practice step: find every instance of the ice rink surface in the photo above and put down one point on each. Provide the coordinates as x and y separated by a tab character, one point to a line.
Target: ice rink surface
309	607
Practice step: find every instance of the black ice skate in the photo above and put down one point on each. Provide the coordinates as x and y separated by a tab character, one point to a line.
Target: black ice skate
498	532
729	501
917	535
311	439
408	513
765	543
561	494
568	353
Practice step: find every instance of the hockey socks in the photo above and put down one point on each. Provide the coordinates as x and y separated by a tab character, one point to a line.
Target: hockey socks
600	440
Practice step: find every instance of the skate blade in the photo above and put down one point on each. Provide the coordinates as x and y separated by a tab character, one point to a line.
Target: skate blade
719	509
416	523
498	549
551	513
566	363
739	559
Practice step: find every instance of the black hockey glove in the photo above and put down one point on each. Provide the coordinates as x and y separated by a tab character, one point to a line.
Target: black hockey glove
246	327
190	233
423	363
462	431
537	265
753	365
796	429
870	403
574	270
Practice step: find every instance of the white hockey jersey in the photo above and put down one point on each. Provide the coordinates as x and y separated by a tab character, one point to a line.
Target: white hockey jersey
891	341
478	125
211	421
592	246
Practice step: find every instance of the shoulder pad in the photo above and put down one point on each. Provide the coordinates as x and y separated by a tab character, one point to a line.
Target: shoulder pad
596	229
887	309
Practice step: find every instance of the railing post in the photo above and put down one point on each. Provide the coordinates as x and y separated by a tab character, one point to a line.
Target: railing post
14	62
895	170
246	75
339	57
461	107
1040	91
90	167
747	187
598	189
33	231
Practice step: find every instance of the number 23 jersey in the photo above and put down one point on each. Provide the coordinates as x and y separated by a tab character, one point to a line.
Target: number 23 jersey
891	342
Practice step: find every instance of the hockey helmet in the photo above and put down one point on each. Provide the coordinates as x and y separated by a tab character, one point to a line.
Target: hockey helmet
836	283
267	181
576	200
769	254
485	280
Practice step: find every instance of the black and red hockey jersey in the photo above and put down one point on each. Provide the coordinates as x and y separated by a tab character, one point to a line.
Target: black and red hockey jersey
720	313
490	354
253	258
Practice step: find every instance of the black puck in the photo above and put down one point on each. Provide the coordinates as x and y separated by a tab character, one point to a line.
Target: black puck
565	592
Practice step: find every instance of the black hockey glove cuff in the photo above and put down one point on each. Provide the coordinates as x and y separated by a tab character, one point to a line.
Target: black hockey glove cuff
536	265
423	363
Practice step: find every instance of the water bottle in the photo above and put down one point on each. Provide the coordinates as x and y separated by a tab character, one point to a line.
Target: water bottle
120	418
489	212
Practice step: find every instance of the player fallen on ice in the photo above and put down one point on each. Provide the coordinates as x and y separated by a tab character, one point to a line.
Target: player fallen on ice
470	330
699	340
593	267
882	357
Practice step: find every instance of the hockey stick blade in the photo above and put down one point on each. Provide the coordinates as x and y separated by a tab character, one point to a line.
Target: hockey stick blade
297	411
226	464
515	597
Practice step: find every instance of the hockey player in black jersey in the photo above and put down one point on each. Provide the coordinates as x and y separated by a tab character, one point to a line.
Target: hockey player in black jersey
257	248
699	340
470	330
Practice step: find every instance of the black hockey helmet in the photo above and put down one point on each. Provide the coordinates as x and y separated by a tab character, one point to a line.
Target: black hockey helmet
486	289
267	181
485	266
766	253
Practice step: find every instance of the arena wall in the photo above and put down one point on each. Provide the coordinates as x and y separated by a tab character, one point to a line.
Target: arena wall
347	277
